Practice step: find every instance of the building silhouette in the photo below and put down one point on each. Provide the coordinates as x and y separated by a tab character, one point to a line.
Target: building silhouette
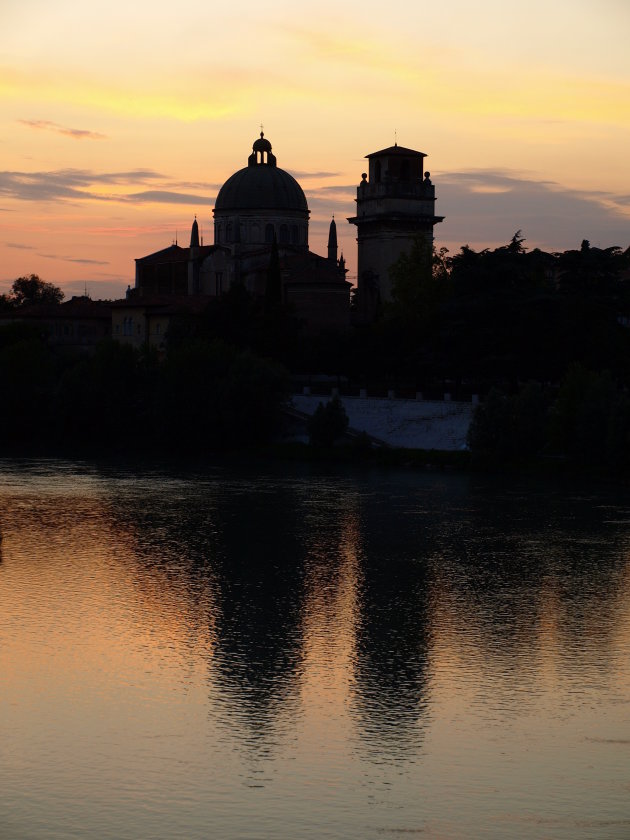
260	212
261	241
395	203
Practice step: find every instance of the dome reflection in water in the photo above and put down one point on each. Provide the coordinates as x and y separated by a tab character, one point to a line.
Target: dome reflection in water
243	653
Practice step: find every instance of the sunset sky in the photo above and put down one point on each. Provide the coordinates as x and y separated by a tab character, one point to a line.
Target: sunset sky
120	121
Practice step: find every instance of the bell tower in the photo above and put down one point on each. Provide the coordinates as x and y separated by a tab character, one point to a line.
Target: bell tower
395	203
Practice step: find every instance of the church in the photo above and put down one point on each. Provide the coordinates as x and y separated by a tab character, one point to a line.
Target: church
261	226
260	212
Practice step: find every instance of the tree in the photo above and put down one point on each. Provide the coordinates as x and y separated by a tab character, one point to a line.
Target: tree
31	289
27	380
591	271
591	419
216	395
419	283
328	423
510	428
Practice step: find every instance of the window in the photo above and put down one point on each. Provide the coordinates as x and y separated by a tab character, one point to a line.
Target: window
269	232
294	234
218	278
284	234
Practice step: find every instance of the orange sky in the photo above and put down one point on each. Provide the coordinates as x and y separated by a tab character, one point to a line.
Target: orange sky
119	121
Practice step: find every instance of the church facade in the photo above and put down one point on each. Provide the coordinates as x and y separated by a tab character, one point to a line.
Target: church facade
261	212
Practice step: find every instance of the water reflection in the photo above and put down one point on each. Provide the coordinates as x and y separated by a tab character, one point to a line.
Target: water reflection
391	670
531	590
236	549
325	628
259	573
291	579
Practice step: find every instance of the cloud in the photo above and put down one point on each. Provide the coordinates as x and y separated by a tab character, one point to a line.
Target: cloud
75	133
332	199
363	52
300	173
73	185
485	207
337	188
70	184
195	185
166	197
73	259
21	247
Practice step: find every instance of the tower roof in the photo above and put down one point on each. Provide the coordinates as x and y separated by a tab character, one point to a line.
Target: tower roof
397	150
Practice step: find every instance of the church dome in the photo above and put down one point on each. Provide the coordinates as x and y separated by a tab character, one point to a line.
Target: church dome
261	185
261	188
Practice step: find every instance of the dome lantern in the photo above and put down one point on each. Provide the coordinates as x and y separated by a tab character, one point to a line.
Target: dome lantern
261	153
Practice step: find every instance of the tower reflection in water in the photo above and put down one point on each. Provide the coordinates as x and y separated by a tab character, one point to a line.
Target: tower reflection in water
391	642
306	612
322	608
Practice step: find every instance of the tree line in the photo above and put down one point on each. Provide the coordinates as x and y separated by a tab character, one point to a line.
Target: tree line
543	338
206	395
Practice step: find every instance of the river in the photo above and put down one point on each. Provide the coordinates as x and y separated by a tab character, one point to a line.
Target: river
234	651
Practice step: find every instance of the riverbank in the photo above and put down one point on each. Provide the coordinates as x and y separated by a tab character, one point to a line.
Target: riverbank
359	454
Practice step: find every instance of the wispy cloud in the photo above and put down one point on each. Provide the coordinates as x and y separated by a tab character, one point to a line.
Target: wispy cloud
194	185
20	247
73	259
484	205
71	184
166	197
337	199
300	173
75	133
74	185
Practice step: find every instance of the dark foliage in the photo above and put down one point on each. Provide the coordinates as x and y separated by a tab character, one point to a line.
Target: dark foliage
480	322
510	428
496	318
30	290
328	424
216	396
204	397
